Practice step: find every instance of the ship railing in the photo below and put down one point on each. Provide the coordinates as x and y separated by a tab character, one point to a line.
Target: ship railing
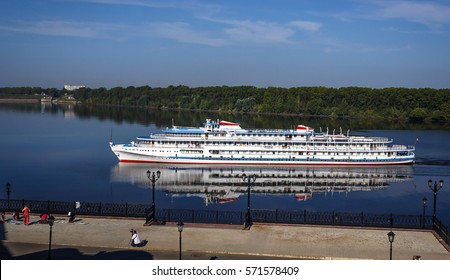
354	219
157	137
357	139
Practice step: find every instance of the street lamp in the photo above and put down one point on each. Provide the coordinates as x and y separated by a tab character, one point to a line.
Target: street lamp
51	220
435	188
153	177
180	226
248	217
391	236
424	203
8	191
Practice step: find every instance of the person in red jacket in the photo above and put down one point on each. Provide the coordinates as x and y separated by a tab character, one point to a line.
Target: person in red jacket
26	215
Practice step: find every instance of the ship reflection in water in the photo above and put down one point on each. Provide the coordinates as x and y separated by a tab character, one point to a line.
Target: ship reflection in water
225	184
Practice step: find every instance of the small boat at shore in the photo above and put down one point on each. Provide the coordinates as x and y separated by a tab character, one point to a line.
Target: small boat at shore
223	142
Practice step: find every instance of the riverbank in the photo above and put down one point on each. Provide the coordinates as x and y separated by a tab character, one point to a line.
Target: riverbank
19	100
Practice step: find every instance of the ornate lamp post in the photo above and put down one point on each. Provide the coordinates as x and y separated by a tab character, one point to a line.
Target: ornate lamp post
424	203
391	236
435	188
153	177
248	217
51	220
180	226
8	192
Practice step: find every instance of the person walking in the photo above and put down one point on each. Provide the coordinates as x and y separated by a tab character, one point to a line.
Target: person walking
26	215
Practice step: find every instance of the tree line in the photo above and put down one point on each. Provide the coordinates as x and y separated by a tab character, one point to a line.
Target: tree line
408	104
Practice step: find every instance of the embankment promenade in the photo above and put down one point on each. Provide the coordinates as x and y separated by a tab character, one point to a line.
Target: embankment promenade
206	240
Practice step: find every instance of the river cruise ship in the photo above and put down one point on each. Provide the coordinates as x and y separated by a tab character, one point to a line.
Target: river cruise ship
223	142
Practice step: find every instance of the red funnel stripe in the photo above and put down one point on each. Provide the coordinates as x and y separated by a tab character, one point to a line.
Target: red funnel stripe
227	123
304	127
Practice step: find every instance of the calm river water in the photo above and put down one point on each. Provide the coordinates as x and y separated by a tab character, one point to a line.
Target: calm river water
61	153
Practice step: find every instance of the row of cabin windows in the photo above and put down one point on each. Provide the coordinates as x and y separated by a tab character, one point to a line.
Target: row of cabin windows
268	152
236	134
226	143
290	153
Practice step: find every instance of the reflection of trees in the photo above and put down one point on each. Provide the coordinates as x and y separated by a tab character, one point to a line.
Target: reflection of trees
163	118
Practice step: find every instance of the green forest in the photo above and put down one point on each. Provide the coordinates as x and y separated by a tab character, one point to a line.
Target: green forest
406	104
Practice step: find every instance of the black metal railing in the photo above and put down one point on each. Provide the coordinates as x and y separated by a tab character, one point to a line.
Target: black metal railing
442	231
343	219
359	219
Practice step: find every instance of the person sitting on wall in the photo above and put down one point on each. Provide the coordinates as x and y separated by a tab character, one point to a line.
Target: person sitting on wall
135	240
71	217
44	218
16	215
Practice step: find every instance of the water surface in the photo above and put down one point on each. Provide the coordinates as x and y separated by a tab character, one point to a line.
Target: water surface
62	153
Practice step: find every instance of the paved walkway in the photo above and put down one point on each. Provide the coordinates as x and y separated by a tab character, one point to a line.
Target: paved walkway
262	240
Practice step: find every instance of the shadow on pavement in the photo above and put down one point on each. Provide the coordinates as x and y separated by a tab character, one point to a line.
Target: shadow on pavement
75	254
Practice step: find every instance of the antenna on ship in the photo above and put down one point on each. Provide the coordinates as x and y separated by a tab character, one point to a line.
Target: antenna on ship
110	137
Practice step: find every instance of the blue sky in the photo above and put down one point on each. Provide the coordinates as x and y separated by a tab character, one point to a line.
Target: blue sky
283	43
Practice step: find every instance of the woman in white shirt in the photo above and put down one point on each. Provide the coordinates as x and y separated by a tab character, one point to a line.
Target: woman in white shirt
135	240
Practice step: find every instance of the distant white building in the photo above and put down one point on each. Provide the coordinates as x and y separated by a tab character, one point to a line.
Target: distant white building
73	87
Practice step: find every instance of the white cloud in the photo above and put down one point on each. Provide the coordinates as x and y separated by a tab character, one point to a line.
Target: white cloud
182	32
428	13
423	12
232	31
193	6
67	28
306	25
52	28
259	31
